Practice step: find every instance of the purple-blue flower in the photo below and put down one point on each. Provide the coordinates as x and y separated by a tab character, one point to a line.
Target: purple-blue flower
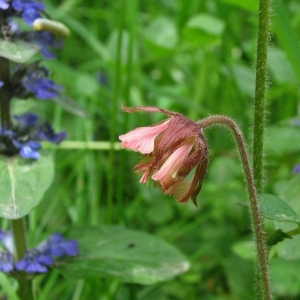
296	169
28	133
4	5
56	246
6	263
38	83
296	122
38	259
46	133
7	240
45	39
28	149
30	9
26	120
31	263
102	78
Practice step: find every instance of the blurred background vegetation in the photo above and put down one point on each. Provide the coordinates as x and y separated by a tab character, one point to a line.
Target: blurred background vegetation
196	57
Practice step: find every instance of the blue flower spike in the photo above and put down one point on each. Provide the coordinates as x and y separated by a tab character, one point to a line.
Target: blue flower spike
38	83
296	169
28	149
4	5
56	246
46	133
31	264
39	259
6	264
26	136
26	120
31	10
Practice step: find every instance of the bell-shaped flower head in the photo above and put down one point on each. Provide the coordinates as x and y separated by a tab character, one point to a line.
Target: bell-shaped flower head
171	151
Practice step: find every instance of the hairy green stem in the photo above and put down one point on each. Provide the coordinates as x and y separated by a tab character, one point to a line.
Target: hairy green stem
256	217
20	243
5	93
260	91
19	235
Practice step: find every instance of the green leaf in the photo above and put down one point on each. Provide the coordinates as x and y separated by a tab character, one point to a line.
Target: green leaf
276	237
285	278
161	35
280	68
207	23
245	249
131	256
204	29
290	248
272	207
23	183
281	140
17	51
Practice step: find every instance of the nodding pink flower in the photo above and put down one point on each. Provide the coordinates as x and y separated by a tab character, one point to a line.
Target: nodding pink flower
171	150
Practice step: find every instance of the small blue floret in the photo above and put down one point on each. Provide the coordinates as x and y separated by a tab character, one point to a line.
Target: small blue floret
43	88
30	9
30	264
6	264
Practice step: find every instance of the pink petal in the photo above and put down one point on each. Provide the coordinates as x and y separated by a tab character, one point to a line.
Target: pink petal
142	139
181	190
167	174
144	168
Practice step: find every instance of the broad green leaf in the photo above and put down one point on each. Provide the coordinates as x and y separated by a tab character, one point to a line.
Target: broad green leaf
282	140
290	193
276	237
161	35
245	249
285	278
281	69
204	29
131	256
23	183
207	23
290	248
17	51
272	207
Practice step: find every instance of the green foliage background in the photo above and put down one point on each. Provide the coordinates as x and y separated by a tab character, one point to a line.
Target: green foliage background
195	57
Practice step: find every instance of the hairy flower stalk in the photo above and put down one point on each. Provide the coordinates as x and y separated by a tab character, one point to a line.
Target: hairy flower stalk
254	209
173	148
